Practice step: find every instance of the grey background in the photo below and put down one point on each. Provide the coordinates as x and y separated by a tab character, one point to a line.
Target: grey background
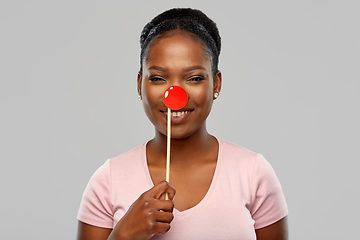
69	102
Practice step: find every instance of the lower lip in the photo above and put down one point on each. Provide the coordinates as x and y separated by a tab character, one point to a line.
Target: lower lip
179	119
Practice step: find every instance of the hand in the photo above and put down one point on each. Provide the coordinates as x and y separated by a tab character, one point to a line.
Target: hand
150	214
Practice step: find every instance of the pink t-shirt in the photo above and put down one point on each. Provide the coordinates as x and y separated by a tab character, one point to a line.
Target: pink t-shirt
244	195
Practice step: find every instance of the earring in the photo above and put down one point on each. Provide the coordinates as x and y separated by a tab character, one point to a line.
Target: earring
216	95
140	97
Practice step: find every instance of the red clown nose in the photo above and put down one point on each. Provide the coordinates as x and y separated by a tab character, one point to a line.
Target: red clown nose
175	97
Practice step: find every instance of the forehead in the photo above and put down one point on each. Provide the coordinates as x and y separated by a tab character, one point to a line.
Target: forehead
177	47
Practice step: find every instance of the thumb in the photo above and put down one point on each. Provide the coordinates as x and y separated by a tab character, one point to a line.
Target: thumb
161	189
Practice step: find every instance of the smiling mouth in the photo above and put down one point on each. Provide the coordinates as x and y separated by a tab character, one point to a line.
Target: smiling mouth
175	114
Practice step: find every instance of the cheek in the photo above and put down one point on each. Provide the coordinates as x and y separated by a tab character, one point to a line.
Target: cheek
202	96
151	93
152	99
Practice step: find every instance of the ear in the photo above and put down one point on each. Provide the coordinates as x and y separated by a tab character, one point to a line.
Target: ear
217	83
139	80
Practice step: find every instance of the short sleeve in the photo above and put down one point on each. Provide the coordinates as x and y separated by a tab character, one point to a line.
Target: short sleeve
268	203
96	207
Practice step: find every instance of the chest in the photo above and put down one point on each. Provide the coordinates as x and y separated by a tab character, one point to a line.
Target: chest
191	183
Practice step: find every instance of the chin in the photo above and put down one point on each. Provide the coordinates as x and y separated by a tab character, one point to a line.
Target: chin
182	133
180	136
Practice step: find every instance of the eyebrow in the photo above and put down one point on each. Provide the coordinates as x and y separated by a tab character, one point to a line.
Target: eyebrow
157	68
188	69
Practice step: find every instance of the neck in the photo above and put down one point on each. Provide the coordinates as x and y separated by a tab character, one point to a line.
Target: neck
183	150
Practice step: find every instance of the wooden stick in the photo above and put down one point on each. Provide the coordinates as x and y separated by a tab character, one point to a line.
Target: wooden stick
167	177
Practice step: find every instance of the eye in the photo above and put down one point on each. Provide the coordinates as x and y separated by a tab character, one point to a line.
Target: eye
156	79
197	79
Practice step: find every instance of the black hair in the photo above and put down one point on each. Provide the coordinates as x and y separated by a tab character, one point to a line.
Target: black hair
187	19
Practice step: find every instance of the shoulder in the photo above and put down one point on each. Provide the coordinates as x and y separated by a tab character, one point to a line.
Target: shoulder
232	148
236	154
128	158
120	165
248	164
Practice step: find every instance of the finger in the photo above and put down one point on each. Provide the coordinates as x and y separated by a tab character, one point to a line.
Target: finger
165	217
160	189
166	206
161	228
156	205
171	196
171	191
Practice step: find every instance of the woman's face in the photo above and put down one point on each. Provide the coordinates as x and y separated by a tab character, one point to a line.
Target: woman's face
178	58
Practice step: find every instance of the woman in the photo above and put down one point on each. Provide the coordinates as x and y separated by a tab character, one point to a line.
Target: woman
223	191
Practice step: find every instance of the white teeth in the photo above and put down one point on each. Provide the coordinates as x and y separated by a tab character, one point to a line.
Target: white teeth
178	114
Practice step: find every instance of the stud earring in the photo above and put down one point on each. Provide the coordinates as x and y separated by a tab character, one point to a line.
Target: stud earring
216	95
140	97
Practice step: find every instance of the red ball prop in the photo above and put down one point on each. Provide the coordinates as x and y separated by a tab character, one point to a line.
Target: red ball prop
175	97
